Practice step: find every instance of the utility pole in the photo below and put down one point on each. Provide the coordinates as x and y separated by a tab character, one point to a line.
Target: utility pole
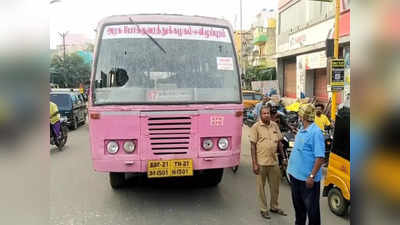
241	40
336	56
63	36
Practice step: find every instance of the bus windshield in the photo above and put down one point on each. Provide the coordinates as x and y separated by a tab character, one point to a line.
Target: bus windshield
182	64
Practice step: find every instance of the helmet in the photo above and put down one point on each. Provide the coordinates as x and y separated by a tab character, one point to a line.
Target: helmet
273	107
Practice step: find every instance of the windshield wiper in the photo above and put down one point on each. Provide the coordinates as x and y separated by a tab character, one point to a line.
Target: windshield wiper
148	35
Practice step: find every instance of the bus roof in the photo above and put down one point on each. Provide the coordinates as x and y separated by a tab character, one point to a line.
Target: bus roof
163	18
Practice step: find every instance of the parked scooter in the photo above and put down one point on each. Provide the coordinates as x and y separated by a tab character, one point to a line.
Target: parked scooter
63	136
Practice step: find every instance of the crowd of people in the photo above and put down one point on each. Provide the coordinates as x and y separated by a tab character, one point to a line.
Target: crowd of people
303	165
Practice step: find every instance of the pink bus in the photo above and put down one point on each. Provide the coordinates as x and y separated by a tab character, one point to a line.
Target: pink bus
165	98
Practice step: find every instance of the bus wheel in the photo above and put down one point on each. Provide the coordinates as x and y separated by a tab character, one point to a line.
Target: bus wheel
212	177
336	201
117	180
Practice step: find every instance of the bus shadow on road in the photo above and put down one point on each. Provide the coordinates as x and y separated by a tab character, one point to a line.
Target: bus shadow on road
138	182
184	192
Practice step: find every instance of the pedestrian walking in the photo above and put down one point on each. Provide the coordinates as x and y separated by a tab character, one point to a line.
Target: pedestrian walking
258	106
265	138
304	168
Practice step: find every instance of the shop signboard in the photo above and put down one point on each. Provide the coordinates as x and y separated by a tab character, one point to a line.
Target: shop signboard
337	74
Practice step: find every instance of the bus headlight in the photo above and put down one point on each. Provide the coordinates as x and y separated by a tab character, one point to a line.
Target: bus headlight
129	146
207	144
112	147
223	143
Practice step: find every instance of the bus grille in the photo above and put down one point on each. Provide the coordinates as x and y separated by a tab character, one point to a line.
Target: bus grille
169	135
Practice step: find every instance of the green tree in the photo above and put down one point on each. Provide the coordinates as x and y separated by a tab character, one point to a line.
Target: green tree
69	72
266	74
90	47
259	73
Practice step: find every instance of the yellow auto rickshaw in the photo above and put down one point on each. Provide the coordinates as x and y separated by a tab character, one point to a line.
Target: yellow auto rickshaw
251	98
337	179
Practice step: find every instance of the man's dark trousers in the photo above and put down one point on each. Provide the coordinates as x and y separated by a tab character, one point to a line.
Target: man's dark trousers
306	202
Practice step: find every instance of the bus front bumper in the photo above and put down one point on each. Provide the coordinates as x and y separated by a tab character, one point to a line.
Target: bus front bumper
140	166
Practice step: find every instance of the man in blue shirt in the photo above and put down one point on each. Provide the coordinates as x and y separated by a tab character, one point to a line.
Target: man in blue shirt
304	168
257	108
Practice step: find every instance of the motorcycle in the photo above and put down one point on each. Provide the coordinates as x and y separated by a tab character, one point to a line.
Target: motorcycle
249	117
289	134
288	144
293	118
281	108
63	136
287	141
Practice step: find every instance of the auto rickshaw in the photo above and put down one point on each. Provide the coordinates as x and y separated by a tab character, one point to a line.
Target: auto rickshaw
251	98
337	179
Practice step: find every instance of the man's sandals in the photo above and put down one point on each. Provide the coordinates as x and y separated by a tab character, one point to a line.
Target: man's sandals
278	211
265	215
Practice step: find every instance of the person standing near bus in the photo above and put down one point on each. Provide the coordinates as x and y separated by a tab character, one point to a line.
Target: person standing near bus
304	168
265	139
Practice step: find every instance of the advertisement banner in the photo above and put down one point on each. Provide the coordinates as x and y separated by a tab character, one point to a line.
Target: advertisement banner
167	31
265	86
337	74
310	36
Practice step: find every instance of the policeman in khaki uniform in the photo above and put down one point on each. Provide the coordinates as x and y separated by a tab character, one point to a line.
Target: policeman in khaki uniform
265	139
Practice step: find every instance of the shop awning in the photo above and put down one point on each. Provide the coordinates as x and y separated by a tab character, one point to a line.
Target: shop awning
260	39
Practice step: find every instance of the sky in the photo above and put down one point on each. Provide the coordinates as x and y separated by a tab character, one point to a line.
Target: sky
82	16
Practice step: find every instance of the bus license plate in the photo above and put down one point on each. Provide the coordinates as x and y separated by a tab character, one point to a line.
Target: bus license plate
169	168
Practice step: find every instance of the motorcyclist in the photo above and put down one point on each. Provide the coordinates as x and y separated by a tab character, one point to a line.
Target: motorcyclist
55	124
275	100
278	117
